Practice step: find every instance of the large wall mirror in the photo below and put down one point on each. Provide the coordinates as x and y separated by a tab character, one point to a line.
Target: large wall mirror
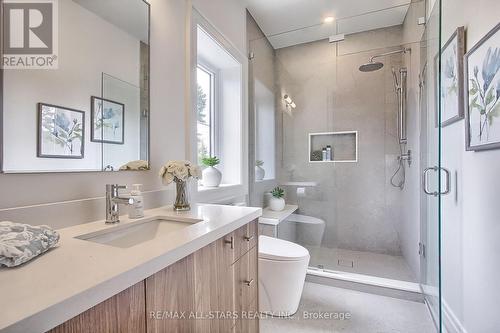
91	113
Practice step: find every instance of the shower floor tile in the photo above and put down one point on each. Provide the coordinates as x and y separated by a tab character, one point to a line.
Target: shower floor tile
368	263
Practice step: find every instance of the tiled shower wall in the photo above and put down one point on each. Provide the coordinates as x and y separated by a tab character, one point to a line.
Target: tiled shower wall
360	207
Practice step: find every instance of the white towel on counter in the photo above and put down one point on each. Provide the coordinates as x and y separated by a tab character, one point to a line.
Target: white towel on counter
20	243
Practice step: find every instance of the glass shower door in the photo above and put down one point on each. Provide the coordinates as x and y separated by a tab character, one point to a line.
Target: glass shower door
435	179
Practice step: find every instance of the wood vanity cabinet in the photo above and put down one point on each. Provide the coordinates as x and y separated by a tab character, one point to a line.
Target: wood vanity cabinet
124	312
212	290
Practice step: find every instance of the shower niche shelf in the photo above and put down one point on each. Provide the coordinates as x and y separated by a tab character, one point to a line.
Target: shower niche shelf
344	146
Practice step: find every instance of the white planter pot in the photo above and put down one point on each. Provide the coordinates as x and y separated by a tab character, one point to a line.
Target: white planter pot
211	177
260	173
277	204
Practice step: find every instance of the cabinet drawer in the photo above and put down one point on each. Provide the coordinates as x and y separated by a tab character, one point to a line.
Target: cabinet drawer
245	284
252	290
246	291
242	240
246	238
252	234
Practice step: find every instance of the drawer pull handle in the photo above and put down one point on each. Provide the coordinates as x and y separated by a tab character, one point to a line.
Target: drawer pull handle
249	238
249	282
230	242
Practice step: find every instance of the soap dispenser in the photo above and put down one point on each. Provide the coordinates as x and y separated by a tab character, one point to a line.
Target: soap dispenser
136	210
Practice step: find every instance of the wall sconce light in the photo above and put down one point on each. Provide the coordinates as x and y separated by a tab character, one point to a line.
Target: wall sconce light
289	102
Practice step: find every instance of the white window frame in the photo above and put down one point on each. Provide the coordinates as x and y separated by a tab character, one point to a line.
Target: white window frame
214	108
226	192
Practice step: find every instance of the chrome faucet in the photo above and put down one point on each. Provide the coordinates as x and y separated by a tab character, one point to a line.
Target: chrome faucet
113	200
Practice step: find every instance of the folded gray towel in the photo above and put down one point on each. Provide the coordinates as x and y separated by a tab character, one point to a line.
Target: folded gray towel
20	243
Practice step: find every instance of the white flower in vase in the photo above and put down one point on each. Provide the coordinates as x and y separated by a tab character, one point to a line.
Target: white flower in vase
179	172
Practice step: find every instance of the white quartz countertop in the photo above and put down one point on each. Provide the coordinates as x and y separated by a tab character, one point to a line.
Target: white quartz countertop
79	274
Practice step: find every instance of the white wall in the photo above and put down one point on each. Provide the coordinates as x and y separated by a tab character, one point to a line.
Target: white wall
68	199
471	224
229	17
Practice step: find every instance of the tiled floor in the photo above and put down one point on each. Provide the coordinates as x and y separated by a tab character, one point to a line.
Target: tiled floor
368	314
380	265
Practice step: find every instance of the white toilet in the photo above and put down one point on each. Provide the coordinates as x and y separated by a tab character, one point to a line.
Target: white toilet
282	272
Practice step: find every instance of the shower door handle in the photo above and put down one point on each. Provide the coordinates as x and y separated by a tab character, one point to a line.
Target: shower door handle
425	181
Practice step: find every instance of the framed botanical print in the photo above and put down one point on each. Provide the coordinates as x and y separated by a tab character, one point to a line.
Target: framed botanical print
452	78
61	132
482	71
108	121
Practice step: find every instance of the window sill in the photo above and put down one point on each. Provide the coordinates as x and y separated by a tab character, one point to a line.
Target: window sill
223	193
221	187
267	180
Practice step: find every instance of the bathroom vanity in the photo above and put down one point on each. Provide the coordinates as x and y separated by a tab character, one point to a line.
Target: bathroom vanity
169	272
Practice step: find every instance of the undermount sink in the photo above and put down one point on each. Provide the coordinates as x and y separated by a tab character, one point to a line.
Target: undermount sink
134	233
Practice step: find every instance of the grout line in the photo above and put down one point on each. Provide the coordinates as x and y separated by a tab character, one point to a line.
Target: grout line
67	202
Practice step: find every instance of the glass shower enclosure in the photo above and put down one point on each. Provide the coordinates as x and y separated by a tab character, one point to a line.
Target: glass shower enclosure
357	141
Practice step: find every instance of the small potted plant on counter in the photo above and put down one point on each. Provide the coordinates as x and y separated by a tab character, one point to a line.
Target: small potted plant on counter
277	202
211	175
260	173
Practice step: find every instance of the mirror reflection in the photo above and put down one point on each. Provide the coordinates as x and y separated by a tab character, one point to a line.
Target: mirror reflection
91	113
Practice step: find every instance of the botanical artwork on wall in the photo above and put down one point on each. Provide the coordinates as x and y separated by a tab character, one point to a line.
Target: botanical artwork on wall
60	132
452	79
108	121
482	70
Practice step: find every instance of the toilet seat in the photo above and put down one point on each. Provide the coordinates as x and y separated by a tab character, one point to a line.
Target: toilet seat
281	250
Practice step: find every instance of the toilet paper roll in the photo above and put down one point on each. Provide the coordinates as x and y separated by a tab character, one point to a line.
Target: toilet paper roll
301	192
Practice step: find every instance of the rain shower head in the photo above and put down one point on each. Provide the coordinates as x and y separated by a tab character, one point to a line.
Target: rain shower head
371	66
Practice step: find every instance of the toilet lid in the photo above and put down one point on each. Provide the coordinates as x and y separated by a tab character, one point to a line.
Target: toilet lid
279	249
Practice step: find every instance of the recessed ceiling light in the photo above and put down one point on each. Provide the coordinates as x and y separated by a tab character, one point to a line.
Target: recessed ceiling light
328	19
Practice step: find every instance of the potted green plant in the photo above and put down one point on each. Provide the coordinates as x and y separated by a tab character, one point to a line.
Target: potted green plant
211	175
260	173
277	201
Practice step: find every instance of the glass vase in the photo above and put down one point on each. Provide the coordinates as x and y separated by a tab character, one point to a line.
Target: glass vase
182	199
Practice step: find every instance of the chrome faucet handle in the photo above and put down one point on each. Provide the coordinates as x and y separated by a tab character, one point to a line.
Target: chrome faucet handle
113	200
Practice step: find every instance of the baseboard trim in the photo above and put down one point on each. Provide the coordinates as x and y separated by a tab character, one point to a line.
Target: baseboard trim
451	323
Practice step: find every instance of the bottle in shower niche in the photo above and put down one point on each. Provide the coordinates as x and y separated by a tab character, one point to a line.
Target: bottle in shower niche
324	154
329	153
136	210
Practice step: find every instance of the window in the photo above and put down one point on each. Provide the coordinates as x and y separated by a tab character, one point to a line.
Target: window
218	118
205	108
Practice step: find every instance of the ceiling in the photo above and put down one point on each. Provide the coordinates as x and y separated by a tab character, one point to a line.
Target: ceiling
291	22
